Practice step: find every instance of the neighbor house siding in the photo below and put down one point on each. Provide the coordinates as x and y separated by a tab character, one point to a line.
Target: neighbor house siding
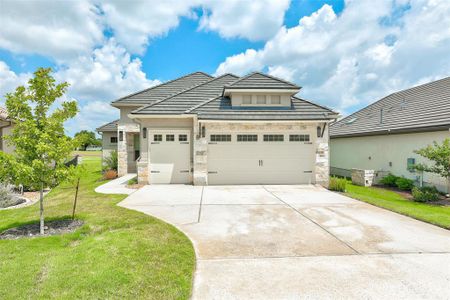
376	152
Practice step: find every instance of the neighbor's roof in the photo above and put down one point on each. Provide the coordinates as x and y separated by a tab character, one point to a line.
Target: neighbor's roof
179	103
422	108
109	127
164	90
257	80
3	114
300	109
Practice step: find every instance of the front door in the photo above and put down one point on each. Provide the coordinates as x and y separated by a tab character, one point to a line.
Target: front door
170	156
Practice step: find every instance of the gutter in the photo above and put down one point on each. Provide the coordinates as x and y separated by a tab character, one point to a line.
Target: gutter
393	131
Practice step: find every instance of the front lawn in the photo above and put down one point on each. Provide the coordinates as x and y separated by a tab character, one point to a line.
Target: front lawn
118	253
438	215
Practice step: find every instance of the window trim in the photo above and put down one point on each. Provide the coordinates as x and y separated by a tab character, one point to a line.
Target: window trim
240	138
110	139
266	138
221	139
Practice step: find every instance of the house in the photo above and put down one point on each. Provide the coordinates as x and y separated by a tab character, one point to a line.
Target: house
109	138
201	130
384	135
6	127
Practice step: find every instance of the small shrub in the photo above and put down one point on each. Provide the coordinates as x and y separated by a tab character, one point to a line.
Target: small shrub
425	194
110	174
111	162
389	180
404	184
132	181
337	184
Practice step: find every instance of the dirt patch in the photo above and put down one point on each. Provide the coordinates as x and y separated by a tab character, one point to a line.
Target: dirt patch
135	186
32	230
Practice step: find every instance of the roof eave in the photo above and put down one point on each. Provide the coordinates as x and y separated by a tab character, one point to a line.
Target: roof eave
394	131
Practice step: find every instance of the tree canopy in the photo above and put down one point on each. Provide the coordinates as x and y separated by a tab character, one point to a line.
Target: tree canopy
85	138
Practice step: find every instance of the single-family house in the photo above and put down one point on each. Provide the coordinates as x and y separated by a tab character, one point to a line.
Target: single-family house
199	129
109	138
383	136
6	127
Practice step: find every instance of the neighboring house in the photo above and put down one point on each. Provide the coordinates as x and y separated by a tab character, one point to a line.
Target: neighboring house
200	130
6	127
109	138
384	135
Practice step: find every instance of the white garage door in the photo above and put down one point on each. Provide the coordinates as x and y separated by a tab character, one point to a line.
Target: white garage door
256	158
170	153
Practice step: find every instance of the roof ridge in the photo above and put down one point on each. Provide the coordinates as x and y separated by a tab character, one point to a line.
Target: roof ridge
266	75
187	90
162	84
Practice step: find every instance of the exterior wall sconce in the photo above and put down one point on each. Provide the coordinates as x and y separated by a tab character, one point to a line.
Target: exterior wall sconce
319	131
203	131
121	136
144	132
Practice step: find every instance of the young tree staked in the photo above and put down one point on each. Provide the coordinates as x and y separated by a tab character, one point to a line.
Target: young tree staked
41	145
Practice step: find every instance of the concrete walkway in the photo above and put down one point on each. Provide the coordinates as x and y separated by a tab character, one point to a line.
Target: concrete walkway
290	242
117	186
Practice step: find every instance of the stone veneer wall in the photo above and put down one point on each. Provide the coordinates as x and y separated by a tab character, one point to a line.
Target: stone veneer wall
124	145
200	174
322	164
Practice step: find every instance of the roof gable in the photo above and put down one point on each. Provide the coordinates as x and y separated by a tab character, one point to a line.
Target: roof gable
257	80
424	106
164	90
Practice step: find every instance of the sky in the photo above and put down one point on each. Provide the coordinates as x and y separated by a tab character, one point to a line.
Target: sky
344	54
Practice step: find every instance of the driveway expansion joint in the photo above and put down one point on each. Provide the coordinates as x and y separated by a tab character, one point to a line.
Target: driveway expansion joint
200	206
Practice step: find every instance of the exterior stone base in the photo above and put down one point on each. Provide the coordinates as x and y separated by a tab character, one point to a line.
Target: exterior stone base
143	171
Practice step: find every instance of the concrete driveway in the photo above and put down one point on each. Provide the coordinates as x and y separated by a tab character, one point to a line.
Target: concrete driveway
286	242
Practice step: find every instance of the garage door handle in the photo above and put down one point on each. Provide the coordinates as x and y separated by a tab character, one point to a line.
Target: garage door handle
307	171
155	142
212	172
260	163
184	171
154	172
184	142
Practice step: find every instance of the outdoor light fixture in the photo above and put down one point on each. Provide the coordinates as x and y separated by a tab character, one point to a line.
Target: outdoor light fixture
144	133
121	136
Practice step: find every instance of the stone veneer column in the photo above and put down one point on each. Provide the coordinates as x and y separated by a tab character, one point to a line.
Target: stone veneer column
123	146
200	176
142	171
322	164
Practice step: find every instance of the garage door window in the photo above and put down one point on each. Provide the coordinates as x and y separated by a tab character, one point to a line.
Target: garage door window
247	138
170	137
299	138
220	137
157	137
182	138
273	138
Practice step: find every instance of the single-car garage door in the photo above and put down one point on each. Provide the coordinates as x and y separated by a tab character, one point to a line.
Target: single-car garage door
260	158
170	153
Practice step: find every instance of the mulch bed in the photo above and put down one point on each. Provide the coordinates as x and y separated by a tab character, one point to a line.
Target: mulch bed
32	230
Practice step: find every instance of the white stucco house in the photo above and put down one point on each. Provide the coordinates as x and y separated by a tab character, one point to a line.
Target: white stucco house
6	127
384	135
199	129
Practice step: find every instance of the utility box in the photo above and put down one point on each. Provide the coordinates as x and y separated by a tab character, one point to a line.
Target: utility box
363	177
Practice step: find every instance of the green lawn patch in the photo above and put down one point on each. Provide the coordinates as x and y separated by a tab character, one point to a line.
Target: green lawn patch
434	214
117	253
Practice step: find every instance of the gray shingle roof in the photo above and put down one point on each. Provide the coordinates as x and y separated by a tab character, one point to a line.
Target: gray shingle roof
164	90
261	80
109	127
220	109
421	108
179	103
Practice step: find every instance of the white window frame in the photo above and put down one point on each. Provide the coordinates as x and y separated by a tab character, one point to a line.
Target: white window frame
278	100
258	101
244	99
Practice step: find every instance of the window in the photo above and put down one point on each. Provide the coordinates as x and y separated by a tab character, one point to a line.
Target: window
170	137
247	99
410	163
182	138
273	138
113	140
261	99
275	99
299	138
157	137
220	137
247	138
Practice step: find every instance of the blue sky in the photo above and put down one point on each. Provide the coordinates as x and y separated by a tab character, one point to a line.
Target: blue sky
344	54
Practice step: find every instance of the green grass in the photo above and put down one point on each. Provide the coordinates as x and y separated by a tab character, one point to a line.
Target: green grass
434	214
117	253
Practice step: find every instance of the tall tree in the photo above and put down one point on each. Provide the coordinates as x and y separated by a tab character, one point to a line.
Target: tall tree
439	154
86	138
41	145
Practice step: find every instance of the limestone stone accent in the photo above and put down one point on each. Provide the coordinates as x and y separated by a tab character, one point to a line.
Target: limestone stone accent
124	146
363	177
142	171
322	164
200	174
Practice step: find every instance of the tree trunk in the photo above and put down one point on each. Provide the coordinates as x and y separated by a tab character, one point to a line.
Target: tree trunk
448	186
75	201
41	211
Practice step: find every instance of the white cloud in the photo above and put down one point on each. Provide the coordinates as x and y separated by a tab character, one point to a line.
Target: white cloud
254	20
10	80
349	60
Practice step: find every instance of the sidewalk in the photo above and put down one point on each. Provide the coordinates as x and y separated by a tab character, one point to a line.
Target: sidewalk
117	186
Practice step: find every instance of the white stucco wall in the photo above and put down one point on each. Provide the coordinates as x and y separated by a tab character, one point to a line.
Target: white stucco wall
107	146
354	152
237	99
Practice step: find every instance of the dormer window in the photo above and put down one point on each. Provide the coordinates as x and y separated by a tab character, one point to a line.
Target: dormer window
275	99
247	99
261	99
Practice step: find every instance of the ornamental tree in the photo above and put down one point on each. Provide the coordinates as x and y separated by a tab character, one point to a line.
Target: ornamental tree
41	145
439	154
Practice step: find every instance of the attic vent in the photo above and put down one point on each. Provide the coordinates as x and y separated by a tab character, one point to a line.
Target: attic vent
381	115
352	120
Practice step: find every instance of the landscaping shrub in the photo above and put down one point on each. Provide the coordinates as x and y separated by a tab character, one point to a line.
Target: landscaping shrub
337	184
111	162
132	181
110	174
404	184
425	194
389	180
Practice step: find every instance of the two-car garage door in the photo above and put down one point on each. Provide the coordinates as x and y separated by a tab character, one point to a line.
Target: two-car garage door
260	158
